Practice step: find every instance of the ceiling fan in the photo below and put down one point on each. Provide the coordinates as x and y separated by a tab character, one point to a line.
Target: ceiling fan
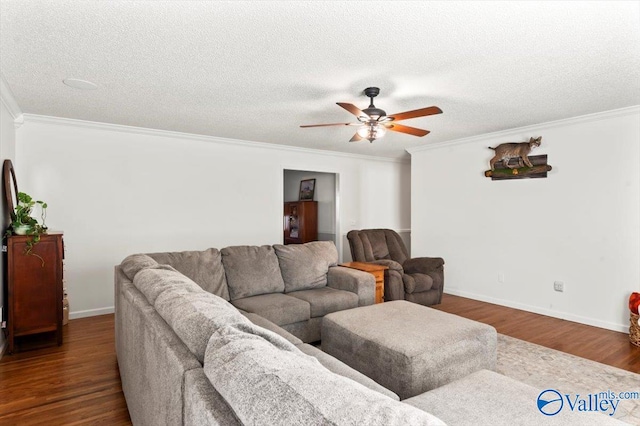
374	122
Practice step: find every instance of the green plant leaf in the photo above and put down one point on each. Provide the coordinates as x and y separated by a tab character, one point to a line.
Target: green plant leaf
24	218
24	198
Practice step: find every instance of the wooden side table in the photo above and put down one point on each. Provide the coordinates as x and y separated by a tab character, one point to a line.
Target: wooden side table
376	270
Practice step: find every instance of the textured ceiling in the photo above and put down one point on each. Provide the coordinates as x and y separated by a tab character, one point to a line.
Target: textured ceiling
257	70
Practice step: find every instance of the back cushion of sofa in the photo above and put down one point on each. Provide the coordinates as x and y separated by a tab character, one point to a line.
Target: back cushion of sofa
305	266
194	317
251	372
192	313
135	263
203	267
251	270
152	282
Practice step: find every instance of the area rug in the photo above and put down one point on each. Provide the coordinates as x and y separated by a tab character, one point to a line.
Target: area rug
545	368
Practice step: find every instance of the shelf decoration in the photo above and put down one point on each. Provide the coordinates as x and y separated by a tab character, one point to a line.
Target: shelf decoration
539	169
512	161
307	188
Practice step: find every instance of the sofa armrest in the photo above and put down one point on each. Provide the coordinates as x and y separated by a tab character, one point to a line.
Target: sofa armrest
151	358
423	265
361	283
391	264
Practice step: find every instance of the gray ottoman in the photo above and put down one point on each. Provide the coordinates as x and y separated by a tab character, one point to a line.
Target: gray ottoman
409	348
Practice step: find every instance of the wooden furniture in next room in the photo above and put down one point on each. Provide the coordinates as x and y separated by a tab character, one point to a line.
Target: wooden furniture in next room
300	222
376	270
34	286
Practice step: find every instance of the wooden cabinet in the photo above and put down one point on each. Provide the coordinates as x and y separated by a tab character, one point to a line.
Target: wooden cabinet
300	222
34	287
374	269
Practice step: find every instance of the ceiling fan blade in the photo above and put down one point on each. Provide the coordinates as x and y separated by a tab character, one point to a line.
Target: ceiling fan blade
406	129
324	125
416	113
353	109
355	138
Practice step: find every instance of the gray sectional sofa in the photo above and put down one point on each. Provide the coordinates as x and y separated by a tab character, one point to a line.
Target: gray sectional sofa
218	338
189	356
293	286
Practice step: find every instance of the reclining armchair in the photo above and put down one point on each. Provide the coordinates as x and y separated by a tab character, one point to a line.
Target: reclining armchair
419	280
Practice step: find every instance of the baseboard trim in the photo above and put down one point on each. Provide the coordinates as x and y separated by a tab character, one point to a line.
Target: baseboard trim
91	312
624	328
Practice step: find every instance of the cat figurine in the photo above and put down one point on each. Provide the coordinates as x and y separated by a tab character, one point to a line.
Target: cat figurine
519	150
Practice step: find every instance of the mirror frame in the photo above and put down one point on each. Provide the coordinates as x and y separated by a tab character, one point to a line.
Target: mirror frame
9	177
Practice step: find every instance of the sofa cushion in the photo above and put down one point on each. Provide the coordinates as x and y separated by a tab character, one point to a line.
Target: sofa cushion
325	300
265	323
251	270
276	307
251	373
488	398
307	331
154	281
305	266
195	316
203	267
135	263
416	283
336	366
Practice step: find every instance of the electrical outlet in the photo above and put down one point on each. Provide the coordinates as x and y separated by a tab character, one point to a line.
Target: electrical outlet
501	277
558	286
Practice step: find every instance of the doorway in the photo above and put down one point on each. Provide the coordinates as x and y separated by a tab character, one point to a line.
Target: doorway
325	193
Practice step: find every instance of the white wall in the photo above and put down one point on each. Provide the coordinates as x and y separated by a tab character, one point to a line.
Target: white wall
117	190
7	151
581	225
324	194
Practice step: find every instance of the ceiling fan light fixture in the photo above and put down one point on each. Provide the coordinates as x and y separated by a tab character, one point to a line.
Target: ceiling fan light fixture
374	122
363	131
371	132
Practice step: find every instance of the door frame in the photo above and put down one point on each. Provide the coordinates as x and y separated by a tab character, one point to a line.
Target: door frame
315	169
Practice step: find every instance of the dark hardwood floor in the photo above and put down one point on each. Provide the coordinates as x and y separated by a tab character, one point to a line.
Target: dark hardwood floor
78	382
597	344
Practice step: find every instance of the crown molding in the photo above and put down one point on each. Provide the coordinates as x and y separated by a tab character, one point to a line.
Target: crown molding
518	130
9	101
45	119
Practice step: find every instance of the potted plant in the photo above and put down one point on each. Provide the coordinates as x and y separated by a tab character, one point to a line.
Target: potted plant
25	224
